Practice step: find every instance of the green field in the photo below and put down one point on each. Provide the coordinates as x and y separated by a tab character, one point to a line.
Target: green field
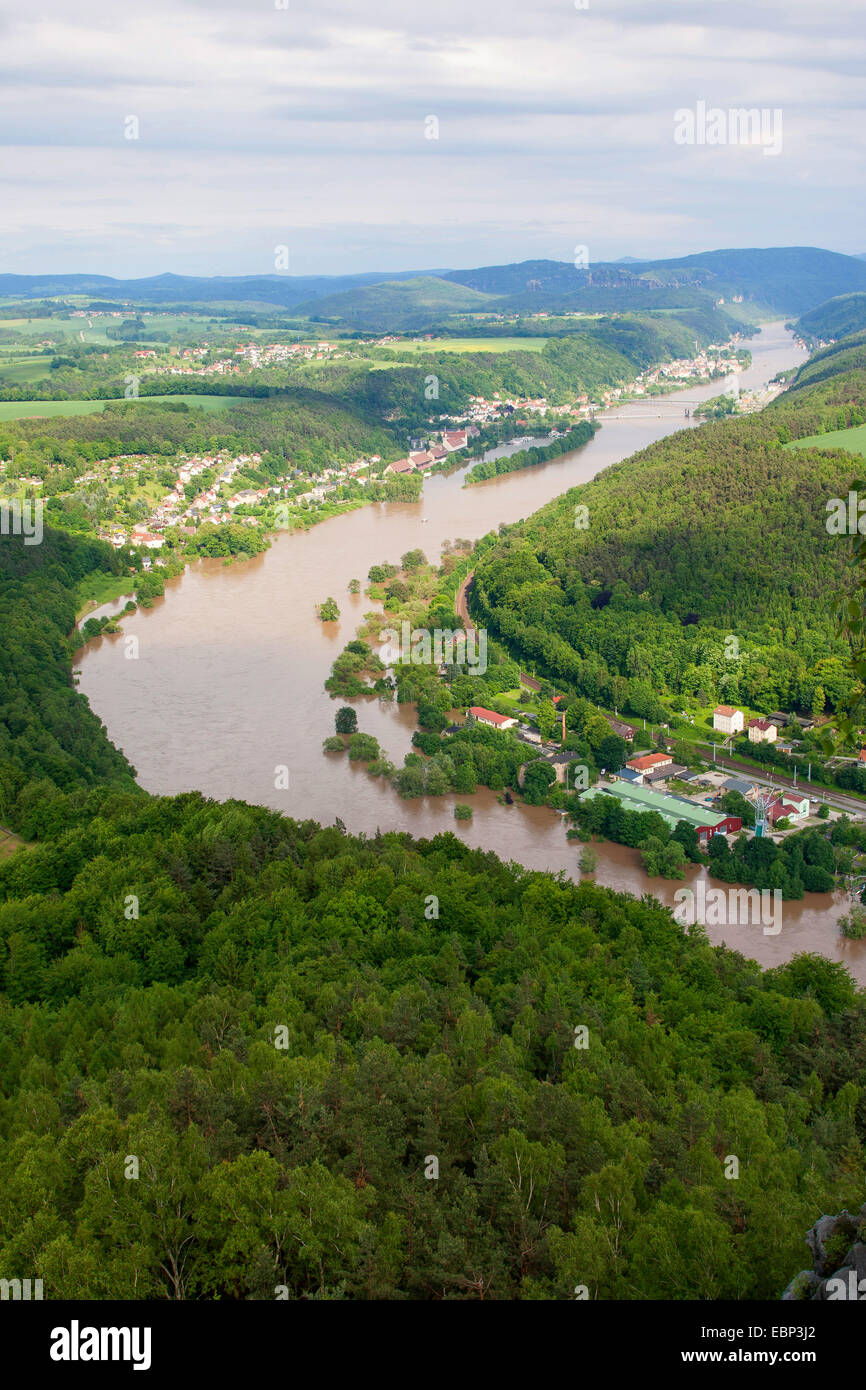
854	440
63	328
16	370
99	588
474	345
21	410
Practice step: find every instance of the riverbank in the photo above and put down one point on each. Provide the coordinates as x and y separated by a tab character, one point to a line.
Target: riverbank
233	664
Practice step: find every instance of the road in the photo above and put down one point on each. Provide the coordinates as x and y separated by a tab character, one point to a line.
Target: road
814	789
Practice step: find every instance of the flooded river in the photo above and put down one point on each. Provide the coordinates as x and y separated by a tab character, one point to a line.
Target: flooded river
232	662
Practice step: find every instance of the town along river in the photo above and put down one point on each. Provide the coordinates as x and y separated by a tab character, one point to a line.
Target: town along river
229	683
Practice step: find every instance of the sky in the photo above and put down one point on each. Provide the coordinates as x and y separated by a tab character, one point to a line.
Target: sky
328	137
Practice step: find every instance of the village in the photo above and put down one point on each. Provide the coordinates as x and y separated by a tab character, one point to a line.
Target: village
212	489
713	800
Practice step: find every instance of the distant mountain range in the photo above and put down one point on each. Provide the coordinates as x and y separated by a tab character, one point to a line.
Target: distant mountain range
789	281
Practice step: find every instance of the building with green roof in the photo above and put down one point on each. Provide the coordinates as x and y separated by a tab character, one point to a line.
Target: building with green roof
670	808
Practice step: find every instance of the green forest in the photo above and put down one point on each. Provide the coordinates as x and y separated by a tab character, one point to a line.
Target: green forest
594	354
578	434
306	427
837	318
243	1054
630	587
244	1057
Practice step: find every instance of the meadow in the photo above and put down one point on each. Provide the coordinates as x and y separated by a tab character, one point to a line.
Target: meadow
15	369
474	345
854	440
20	410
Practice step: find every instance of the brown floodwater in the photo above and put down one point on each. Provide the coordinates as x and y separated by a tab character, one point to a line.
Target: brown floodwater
228	685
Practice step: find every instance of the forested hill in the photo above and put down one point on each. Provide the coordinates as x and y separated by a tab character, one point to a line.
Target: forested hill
375	1069
600	352
706	534
834	364
355	1069
51	744
836	319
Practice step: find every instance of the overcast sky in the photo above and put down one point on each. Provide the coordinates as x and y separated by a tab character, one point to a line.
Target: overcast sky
307	127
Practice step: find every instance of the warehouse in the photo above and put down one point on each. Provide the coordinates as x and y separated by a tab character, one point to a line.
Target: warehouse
671	808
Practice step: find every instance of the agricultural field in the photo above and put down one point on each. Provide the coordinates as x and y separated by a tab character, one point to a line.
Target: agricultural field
63	327
23	410
474	345
60	328
854	440
20	410
14	370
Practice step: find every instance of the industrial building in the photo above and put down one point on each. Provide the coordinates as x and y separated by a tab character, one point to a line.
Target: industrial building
670	808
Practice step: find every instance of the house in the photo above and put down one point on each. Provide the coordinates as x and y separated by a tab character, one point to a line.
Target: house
740	784
491	718
792	806
861	756
401	466
762	731
648	762
421	460
529	682
631	774
454	439
662	771
727	720
626	731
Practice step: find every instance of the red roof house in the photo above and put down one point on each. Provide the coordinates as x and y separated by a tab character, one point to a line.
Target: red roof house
489	716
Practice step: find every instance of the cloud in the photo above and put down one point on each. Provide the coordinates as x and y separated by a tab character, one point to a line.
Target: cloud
555	127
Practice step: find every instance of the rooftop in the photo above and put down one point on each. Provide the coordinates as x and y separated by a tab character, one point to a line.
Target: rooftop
671	808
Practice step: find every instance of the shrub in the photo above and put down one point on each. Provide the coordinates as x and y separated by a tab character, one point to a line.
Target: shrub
363	748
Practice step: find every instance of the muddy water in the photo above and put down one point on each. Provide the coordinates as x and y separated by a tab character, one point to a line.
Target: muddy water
228	684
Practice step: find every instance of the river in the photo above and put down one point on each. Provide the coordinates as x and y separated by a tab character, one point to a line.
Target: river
228	684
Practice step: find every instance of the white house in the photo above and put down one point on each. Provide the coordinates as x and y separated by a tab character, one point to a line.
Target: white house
489	716
762	731
728	720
